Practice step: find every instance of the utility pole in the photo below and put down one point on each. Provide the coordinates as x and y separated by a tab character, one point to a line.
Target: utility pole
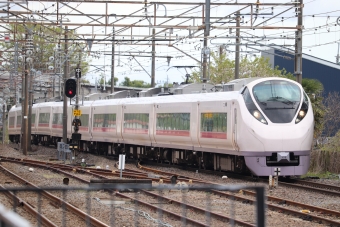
23	76
66	75
30	103
4	109
153	51
221	51
298	43
237	47
25	107
205	41
153	63
58	66
113	62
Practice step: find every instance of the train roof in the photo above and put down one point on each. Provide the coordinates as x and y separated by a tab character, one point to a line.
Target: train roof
196	97
217	96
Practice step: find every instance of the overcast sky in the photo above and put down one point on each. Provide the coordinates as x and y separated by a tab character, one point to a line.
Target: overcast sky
320	35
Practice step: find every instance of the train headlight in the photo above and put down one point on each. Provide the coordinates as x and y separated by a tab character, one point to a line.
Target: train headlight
302	113
257	114
300	116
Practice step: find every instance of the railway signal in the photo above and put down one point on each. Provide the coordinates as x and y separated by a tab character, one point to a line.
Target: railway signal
78	73
70	88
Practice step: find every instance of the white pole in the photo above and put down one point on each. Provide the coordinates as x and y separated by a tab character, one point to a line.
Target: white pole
121	165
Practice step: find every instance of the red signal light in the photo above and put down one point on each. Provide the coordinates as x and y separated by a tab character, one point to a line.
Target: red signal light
70	88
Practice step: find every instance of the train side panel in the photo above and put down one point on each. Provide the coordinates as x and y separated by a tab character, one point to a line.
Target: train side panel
44	120
34	120
215	125
136	123
174	124
104	122
57	120
12	122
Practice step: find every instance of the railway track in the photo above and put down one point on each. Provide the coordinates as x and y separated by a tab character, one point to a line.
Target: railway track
281	201
169	178
55	200
292	183
105	174
19	202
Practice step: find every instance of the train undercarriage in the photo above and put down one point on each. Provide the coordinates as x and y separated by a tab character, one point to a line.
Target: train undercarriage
196	159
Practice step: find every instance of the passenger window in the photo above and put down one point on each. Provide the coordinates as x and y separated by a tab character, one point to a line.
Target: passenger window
173	121
213	122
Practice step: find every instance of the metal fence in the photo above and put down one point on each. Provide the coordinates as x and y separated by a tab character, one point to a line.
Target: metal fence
9	218
136	208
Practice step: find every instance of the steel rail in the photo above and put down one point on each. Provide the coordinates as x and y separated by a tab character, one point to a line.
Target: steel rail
189	220
335	193
242	223
281	200
314	184
100	173
95	172
297	204
55	199
320	190
27	207
55	168
169	174
283	209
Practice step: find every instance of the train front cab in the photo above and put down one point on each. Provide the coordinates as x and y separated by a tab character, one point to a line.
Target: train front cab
282	124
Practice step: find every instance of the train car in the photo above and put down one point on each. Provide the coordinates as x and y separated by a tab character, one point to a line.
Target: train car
14	123
44	127
263	127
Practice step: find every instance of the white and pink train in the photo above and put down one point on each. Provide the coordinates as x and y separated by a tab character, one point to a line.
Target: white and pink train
266	125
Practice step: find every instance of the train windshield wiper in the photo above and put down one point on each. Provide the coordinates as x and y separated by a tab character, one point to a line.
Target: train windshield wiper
257	99
281	99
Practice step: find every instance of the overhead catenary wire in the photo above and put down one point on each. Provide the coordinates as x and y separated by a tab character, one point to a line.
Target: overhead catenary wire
192	51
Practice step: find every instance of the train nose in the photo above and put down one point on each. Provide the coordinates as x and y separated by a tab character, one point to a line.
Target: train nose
284	139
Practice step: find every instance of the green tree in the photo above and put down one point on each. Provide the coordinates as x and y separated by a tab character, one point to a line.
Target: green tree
134	83
314	88
222	69
44	46
126	82
101	79
115	81
84	81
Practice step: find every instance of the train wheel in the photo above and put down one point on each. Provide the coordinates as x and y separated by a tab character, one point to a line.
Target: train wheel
35	140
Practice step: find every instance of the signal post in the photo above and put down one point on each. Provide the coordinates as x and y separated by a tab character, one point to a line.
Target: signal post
76	123
71	90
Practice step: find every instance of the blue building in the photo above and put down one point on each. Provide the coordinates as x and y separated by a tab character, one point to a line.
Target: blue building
328	73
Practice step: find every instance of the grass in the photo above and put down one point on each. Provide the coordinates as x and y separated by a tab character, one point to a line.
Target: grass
322	175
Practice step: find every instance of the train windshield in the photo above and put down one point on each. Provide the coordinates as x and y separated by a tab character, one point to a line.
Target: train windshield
278	99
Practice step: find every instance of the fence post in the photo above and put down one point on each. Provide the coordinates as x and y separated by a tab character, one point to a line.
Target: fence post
260	207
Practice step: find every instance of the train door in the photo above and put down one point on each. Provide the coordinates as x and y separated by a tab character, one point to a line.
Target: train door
234	129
